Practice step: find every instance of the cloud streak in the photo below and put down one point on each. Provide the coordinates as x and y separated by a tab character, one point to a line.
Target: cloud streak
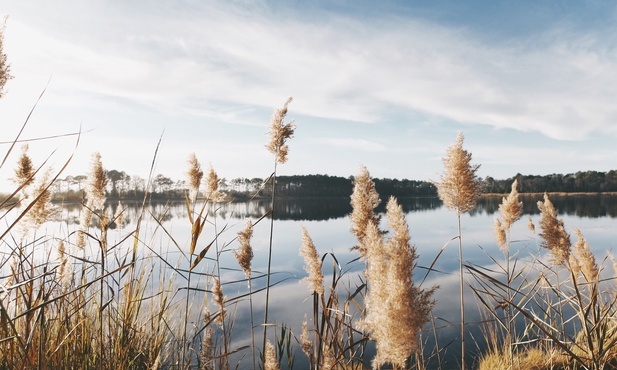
337	67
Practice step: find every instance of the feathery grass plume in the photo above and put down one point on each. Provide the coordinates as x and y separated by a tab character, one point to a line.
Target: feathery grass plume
364	200
270	362
206	352
510	210
586	259
195	174
97	182
42	209
212	186
5	69
396	307
95	197
500	234
312	263
530	224
244	255
510	207
305	342
554	235
459	187
280	133
219	299
64	273
24	173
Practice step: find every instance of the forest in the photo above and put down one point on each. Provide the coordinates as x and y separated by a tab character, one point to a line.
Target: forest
124	186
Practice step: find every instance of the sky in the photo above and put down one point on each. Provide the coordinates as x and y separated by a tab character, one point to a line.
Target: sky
531	85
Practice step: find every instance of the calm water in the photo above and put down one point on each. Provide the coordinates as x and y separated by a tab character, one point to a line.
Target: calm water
166	232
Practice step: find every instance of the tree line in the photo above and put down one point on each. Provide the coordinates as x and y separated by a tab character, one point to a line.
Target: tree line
124	186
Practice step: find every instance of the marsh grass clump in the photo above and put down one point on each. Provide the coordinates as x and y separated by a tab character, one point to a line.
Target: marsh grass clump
396	307
567	308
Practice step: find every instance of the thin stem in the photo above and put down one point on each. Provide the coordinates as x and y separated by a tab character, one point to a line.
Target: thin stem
186	311
269	259
252	324
460	253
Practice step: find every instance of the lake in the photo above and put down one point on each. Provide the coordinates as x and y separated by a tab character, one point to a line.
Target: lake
166	233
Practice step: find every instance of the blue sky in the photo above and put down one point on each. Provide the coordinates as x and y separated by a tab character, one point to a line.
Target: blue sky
532	85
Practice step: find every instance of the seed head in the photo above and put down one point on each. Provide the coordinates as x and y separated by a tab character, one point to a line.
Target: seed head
396	307
280	133
554	235
312	263
500	235
270	362
586	259
97	182
24	173
510	208
305	342
459	187
195	174
219	299
244	255
212	186
206	353
42	209
364	200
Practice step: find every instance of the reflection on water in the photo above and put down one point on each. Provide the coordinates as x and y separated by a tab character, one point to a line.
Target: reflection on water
431	226
322	209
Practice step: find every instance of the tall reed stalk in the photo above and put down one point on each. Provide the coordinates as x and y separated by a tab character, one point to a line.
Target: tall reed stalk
510	210
279	133
459	189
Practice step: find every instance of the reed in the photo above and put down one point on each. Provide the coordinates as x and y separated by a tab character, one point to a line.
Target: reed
280	132
459	188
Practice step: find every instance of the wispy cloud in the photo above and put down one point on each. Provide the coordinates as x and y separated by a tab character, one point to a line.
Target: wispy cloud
176	58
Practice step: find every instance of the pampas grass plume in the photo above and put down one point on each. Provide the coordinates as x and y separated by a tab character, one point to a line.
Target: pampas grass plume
510	207
364	200
459	187
312	263
500	235
270	362
219	299
554	236
586	259
212	186
97	182
195	175
244	255
396	308
279	133
24	173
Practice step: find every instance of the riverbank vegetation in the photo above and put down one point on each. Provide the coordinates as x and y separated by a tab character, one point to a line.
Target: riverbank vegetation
122	186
